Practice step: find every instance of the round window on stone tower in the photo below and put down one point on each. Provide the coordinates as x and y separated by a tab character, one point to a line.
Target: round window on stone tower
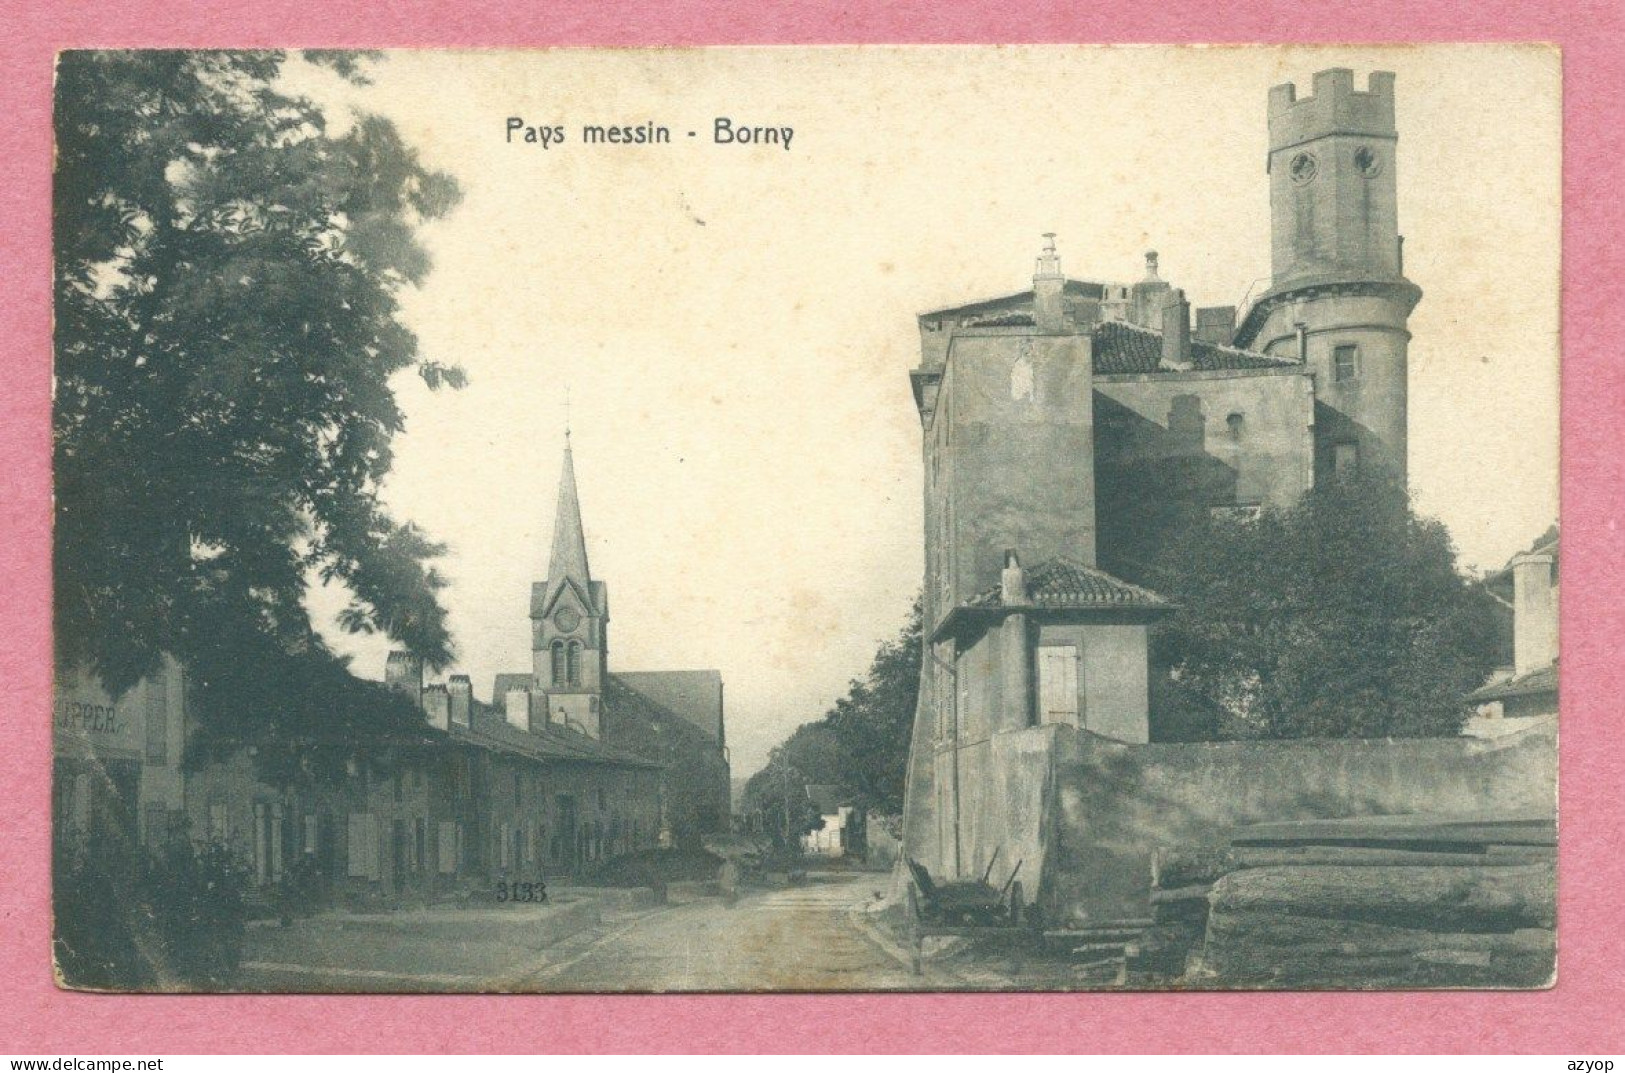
1366	160
1303	168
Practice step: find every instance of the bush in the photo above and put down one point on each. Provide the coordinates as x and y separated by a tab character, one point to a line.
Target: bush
126	920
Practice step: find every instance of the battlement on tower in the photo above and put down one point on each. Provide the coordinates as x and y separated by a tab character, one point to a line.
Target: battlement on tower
1334	107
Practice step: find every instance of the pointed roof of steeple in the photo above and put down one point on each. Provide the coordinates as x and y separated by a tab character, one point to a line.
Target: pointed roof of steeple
569	559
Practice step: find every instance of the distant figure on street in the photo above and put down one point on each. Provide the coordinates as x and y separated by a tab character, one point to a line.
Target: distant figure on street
728	880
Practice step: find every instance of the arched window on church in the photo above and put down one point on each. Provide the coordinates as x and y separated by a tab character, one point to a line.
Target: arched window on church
558	663
573	663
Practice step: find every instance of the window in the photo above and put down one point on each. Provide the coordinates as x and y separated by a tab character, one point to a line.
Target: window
1236	423
1345	363
1346	459
573	663
558	663
1058	684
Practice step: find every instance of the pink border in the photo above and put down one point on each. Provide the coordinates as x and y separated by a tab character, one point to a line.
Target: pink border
1571	1019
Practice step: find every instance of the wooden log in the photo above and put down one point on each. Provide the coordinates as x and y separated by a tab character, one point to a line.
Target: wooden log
1441	899
1392	830
1179	869
1181	894
1267	947
1383	857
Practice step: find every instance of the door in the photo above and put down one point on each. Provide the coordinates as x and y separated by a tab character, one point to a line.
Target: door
1058	684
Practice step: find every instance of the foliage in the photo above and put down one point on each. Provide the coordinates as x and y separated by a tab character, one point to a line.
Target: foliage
302	889
127	920
1344	616
227	323
778	792
861	745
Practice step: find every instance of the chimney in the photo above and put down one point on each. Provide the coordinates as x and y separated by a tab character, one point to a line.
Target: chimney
1176	332
1012	580
1216	324
403	672
1148	295
516	707
1048	283
461	692
1534	611
437	707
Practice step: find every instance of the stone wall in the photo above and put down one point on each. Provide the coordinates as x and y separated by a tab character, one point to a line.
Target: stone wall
1115	805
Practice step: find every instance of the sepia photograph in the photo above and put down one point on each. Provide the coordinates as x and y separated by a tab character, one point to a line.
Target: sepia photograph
1079	518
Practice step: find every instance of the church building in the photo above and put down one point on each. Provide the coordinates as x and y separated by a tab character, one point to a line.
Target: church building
1069	429
672	719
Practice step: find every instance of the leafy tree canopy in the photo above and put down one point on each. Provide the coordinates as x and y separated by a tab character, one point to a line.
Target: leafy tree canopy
227	273
861	744
1344	616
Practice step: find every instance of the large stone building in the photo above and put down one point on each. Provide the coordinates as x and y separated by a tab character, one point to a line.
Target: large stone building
1068	429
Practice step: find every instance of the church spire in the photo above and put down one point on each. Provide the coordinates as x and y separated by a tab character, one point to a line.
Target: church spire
569	542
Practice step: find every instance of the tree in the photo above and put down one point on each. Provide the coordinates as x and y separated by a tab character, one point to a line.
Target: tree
1343	616
861	744
778	793
226	326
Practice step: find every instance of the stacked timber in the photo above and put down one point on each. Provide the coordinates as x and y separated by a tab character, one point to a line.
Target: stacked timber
1388	902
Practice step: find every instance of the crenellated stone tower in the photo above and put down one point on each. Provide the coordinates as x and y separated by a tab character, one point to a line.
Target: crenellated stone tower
1338	298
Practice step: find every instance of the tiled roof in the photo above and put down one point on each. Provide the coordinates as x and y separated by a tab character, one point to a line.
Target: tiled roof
1120	347
1065	584
543	742
1017	301
694	695
622	699
1541	680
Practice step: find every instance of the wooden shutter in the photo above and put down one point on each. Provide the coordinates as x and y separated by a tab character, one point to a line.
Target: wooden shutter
1058	684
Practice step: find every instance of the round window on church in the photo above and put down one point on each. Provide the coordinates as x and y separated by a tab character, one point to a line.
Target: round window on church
1303	168
1367	161
567	619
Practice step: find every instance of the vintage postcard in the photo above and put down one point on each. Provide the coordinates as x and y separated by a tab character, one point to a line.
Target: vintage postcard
844	518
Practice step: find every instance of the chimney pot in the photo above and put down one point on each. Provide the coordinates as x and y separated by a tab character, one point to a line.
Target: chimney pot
1048	312
1012	580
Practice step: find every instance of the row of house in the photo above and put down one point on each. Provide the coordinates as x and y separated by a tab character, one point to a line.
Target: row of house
566	767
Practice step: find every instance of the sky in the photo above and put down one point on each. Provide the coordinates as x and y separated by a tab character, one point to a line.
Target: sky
733	325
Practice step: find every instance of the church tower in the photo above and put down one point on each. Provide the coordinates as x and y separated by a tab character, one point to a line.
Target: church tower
569	615
1338	298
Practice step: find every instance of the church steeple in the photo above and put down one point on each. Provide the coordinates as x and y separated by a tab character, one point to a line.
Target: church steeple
569	558
570	621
